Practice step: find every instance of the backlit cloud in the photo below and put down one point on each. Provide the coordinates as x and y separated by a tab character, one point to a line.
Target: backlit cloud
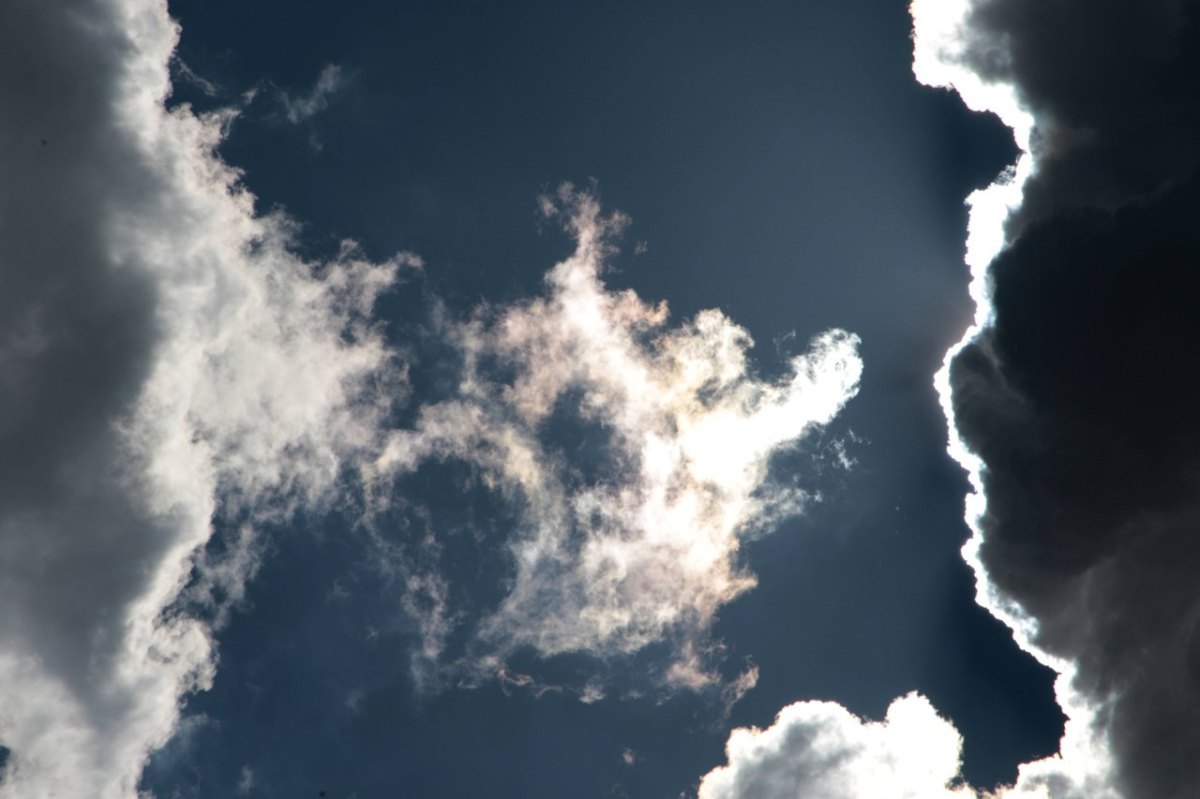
1072	401
630	536
819	750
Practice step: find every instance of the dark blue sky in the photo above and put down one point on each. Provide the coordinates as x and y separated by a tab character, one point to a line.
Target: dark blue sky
780	163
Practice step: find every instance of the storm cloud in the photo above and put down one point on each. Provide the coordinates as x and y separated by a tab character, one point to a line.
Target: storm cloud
1072	399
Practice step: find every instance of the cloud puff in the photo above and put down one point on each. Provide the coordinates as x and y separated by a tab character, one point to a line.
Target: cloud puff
167	366
819	750
631	536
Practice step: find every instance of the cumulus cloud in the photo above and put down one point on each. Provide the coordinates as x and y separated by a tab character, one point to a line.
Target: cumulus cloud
819	750
631	536
167	366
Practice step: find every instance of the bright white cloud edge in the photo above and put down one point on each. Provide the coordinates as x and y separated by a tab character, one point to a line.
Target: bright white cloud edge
821	751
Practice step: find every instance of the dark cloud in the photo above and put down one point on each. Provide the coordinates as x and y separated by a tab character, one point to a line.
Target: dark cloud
1112	86
1080	396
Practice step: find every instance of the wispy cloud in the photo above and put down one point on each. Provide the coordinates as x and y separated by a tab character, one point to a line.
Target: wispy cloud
166	364
1070	399
302	107
630	536
206	86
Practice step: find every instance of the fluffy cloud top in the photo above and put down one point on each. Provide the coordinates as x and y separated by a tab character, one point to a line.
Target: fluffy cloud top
635	539
303	107
819	750
166	362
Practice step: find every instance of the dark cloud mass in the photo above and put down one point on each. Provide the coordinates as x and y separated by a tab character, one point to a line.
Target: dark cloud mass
1112	86
1080	395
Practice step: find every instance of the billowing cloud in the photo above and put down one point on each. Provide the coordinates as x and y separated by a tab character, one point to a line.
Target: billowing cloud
818	750
167	368
1074	398
628	535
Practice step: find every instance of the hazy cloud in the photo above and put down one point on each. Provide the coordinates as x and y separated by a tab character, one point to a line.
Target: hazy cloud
635	453
303	107
166	364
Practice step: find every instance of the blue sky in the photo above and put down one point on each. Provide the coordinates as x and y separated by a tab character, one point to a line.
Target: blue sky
538	399
778	163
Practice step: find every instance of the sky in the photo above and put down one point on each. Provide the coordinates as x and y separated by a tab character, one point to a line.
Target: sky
662	399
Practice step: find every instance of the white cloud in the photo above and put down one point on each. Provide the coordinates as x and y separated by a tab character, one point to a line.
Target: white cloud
190	75
645	547
942	37
167	361
819	750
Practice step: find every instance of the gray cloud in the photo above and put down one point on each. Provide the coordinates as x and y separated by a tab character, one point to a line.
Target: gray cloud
164	361
632	538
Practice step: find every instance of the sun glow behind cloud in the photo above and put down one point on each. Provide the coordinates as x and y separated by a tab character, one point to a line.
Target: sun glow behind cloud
817	749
